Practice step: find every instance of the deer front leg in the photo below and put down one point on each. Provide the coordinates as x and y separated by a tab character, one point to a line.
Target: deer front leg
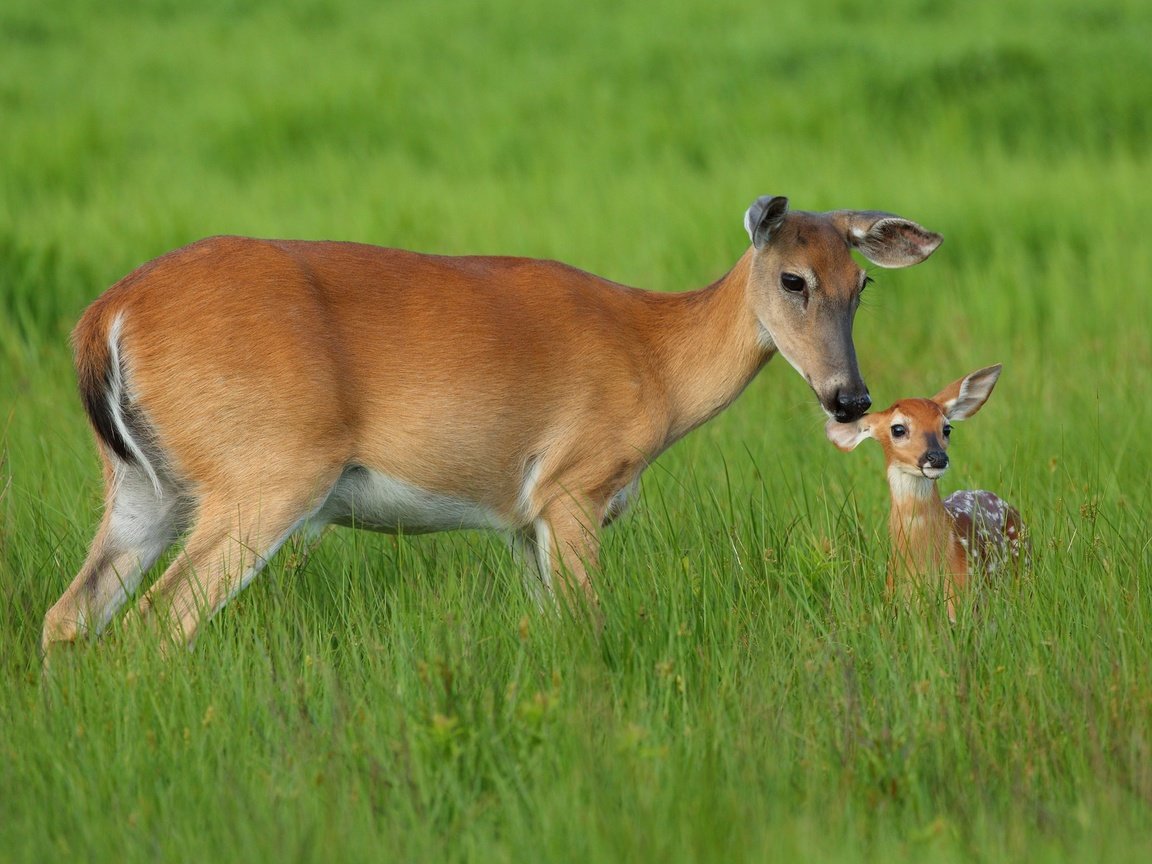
567	547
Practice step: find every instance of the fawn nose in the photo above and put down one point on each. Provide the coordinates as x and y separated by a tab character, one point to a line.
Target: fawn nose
851	405
936	459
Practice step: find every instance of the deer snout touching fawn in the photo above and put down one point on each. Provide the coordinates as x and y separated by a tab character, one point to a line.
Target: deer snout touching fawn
969	533
242	390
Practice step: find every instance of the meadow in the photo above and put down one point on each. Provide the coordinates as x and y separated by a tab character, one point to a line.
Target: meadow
754	696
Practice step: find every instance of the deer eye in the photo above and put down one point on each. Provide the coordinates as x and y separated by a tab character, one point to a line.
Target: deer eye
899	430
947	431
792	283
868	280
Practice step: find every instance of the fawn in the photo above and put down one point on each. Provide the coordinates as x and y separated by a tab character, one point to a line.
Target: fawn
970	532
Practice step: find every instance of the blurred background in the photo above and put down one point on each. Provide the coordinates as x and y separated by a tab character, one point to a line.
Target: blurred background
626	139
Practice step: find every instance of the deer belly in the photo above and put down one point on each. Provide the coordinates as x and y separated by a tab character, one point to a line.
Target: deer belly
989	528
363	498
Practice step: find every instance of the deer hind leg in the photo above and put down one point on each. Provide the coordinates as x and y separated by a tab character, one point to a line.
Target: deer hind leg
229	545
139	523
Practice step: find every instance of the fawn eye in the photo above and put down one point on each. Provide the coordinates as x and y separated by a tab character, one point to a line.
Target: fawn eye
947	431
868	280
792	283
899	430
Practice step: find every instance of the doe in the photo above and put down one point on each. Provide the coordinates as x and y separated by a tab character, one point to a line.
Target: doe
242	390
968	533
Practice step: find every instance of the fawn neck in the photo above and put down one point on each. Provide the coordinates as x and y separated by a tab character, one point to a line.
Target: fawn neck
923	539
710	345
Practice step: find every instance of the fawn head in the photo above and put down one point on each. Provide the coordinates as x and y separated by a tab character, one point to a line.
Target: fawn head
804	288
914	433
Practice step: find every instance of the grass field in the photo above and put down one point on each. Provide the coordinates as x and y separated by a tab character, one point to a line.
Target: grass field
753	697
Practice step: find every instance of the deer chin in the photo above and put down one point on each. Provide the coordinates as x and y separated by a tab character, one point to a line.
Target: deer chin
932	473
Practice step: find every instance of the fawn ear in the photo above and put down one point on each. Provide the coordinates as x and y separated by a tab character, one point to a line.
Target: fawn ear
847	435
961	399
886	239
764	218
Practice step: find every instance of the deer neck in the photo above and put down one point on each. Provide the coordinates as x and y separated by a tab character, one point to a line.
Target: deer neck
710	345
921	528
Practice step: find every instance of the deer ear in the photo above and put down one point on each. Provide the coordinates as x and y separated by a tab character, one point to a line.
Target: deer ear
764	218
847	435
885	239
961	399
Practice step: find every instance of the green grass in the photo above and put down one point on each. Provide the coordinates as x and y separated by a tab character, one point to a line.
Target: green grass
754	696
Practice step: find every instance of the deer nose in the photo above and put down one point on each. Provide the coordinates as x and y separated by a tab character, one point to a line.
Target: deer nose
851	405
936	459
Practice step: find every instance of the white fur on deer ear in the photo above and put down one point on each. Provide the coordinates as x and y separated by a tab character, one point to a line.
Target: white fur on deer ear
847	435
961	399
764	218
